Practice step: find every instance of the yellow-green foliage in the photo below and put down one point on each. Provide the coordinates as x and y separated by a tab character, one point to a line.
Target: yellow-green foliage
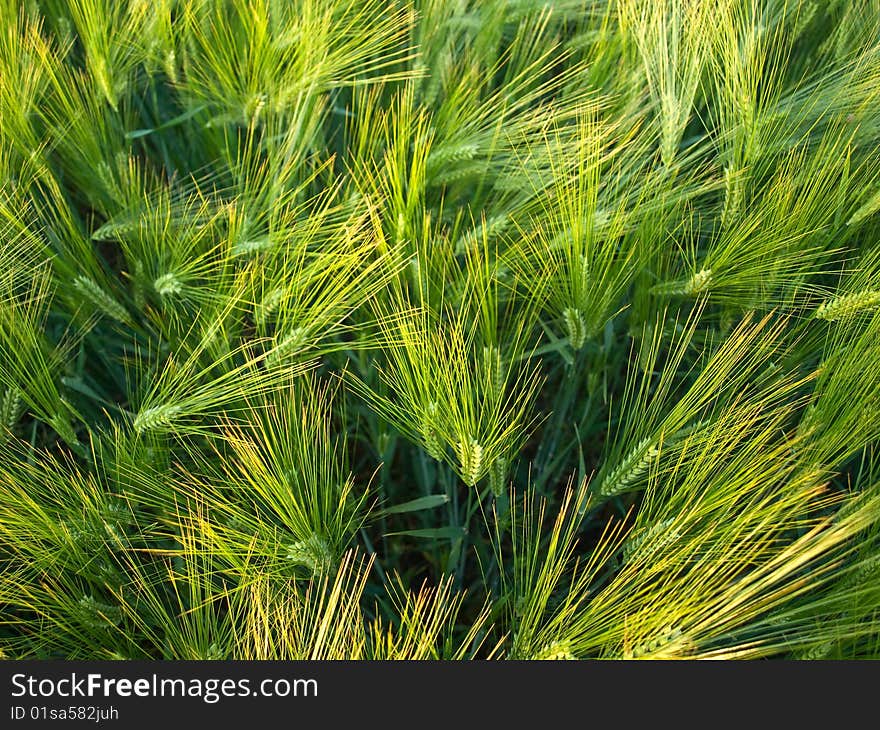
425	329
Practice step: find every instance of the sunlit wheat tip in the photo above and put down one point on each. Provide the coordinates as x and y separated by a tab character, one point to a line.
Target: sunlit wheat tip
400	230
10	408
732	197
432	442
105	175
254	106
452	175
236	524
470	458
108	573
865	574
630	470
776	619
805	16
269	305
492	226
498	477
251	246
117	230
871	207
665	637
453	153
288	345
116	511
433	86
697	284
808	421
214	652
815	653
100	299
97	614
83	536
494	368
138	292
689	430
385	442
847	306
656	537
554	651
169	63
575	327
868	569
313	553
63	427
168	284
156	417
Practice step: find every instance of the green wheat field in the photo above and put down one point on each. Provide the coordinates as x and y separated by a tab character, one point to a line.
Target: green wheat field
439	329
